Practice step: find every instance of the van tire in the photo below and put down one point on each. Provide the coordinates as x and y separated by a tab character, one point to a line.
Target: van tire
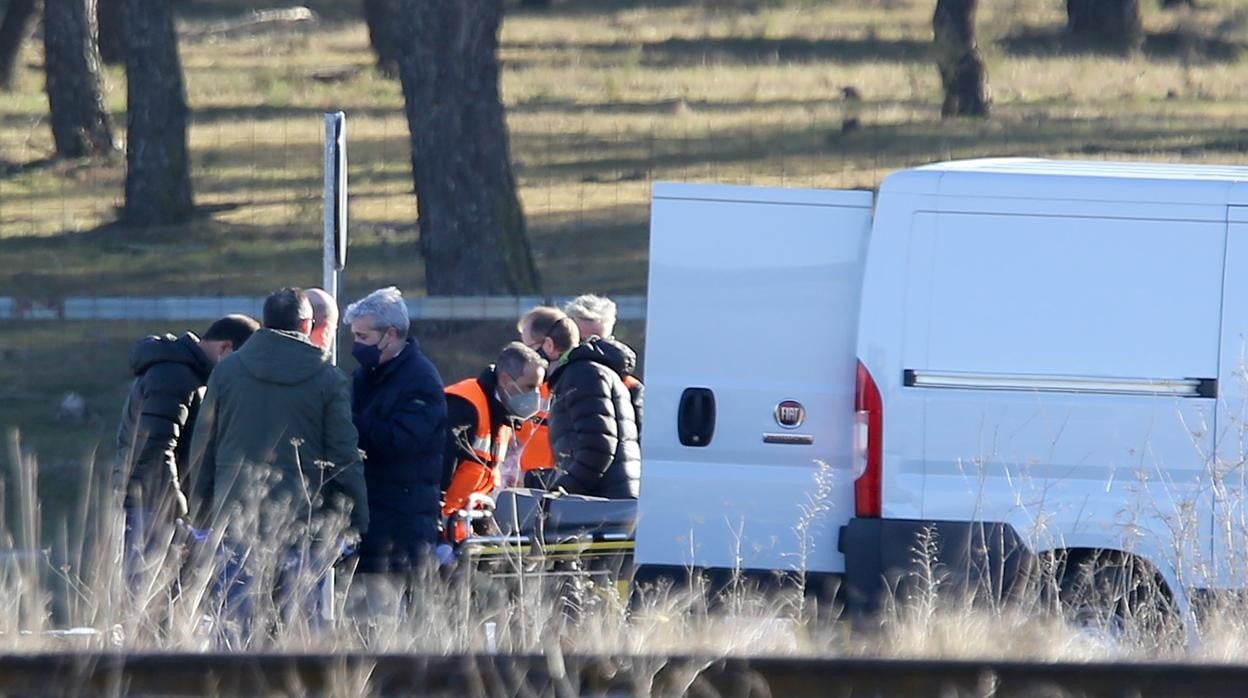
1117	598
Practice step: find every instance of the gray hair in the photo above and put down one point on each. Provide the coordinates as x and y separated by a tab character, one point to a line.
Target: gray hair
516	357
599	310
385	306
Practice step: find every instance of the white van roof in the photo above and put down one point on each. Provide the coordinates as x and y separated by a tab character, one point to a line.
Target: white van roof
1035	178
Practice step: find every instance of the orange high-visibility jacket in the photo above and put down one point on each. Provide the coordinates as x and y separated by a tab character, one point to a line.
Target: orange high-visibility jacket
478	474
533	439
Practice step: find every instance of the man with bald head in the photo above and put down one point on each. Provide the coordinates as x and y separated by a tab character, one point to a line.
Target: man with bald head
324	318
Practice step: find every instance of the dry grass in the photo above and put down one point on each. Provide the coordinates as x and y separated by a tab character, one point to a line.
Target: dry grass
604	97
76	580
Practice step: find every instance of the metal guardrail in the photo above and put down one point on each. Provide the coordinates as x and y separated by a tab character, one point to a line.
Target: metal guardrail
181	308
584	675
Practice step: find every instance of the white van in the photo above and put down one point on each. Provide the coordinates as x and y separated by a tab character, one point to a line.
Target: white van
1024	357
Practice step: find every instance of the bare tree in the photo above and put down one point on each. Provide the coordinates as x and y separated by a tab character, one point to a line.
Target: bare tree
110	31
1113	24
379	17
472	229
962	72
80	125
158	181
19	16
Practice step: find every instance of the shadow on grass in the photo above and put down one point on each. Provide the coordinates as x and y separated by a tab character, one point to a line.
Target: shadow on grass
580	8
758	152
682	52
602	248
1163	46
73	168
597	246
209	115
234	9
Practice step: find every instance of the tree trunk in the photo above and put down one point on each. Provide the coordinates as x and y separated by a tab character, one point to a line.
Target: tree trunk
962	72
472	231
80	124
110	31
380	16
19	16
1114	24
158	182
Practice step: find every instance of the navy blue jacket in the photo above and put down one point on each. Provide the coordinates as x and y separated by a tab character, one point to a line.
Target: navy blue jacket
400	411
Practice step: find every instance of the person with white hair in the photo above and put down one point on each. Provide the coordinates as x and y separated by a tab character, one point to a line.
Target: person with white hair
400	411
595	317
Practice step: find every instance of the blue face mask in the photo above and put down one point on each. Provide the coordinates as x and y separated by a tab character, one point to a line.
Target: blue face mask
522	404
368	355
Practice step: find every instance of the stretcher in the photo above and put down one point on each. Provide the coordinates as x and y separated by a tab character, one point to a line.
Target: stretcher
581	548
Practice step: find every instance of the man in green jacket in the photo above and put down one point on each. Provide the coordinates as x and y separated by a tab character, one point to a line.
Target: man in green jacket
275	464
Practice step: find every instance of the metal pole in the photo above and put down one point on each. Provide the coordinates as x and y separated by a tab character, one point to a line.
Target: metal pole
335	210
332	260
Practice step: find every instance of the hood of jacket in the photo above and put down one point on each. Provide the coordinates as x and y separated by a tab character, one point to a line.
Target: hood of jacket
152	350
284	358
619	355
609	353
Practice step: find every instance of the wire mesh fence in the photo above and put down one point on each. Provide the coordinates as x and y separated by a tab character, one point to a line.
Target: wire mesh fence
603	98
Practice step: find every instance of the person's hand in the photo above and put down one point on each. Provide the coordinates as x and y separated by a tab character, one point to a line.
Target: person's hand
445	554
478	500
197	535
347	547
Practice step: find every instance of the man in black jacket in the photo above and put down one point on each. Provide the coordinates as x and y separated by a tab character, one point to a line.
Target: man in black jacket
399	408
593	429
154	437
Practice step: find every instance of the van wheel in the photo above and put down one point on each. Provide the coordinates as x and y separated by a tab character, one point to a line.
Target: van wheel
1118	600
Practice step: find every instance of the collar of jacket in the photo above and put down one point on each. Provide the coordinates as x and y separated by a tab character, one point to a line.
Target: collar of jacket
556	366
404	355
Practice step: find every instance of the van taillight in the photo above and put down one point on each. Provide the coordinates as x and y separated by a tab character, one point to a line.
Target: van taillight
868	445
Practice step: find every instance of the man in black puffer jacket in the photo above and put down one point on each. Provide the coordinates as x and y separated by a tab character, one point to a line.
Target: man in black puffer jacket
593	430
623	359
154	437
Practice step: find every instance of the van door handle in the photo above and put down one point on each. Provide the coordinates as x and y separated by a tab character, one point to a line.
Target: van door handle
695	420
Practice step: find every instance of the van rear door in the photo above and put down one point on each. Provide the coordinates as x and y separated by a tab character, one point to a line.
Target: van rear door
1230	467
750	374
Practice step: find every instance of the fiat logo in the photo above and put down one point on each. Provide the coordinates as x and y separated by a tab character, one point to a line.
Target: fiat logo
790	414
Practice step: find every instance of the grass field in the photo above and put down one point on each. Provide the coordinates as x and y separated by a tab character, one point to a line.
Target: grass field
604	97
